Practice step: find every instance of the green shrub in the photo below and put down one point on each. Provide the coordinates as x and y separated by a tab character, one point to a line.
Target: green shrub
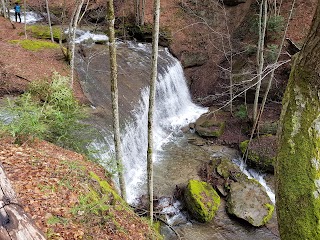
47	111
241	112
34	45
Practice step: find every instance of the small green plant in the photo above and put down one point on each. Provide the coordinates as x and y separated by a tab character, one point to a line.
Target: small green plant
56	220
271	53
241	112
34	45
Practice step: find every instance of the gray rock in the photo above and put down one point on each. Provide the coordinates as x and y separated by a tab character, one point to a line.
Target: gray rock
249	201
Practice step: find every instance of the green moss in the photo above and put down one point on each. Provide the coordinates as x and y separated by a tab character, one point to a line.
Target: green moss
243	146
297	167
35	45
202	200
43	32
270	212
260	157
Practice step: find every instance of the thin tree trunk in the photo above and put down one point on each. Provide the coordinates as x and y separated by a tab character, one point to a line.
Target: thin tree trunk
25	18
154	73
260	54
4	9
137	11
143	9
297	167
114	95
74	29
49	21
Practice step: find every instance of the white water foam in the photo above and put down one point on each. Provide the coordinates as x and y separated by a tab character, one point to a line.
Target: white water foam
31	17
251	173
85	36
174	109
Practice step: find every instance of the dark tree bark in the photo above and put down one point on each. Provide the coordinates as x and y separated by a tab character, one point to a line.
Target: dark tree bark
298	160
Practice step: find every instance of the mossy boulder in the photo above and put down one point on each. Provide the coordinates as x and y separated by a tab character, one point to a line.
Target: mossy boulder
249	201
261	152
202	200
210	126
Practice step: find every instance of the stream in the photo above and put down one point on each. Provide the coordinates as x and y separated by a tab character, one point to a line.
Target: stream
176	160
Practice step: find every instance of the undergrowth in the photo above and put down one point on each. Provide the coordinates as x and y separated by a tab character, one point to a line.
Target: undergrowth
49	111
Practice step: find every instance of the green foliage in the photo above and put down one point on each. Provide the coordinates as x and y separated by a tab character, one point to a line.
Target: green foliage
43	32
242	112
35	45
275	25
271	53
47	111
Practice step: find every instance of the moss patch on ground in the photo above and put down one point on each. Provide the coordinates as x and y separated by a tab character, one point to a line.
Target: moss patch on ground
35	45
43	32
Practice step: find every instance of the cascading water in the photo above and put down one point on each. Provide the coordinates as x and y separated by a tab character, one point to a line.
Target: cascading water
251	173
173	110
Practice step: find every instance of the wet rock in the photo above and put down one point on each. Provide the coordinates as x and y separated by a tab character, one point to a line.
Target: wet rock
208	126
249	201
228	169
202	200
261	152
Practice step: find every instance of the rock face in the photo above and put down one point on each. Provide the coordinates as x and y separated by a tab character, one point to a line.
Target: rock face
202	200
248	201
261	152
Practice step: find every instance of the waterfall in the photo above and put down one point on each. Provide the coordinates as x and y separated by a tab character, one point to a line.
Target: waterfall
173	108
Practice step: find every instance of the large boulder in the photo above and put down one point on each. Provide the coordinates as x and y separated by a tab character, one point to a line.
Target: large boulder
208	125
261	152
249	201
202	200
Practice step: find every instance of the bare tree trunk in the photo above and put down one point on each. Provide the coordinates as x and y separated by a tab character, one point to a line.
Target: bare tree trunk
137	11
25	18
4	9
298	161
74	29
49	21
260	55
114	95
143	9
154	73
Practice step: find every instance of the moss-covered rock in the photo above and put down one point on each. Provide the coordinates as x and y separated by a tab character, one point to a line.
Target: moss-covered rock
261	152
207	126
35	45
249	201
202	200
